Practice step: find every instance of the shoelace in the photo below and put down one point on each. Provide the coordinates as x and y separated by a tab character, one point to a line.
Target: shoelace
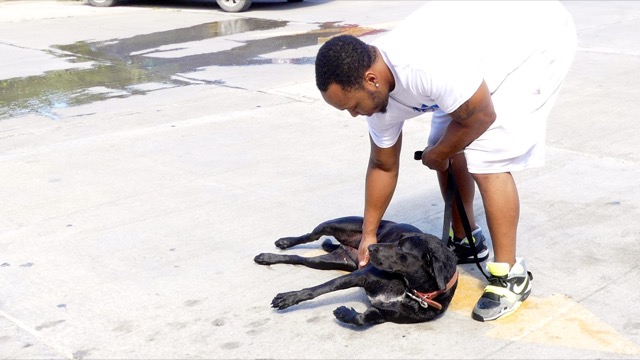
500	281
503	281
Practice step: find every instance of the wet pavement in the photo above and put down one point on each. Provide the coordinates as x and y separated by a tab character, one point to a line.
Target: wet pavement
148	152
120	67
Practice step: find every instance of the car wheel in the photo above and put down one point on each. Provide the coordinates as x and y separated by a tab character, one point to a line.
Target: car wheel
234	5
103	3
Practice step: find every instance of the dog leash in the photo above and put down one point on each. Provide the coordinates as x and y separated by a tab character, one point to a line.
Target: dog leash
428	299
451	193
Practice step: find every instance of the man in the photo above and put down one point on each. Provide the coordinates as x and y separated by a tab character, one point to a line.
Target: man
490	73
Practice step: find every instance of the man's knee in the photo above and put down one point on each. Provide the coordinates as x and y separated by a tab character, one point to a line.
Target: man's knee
486	181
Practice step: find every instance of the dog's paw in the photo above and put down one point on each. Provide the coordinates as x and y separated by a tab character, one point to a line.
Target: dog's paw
329	246
284	300
346	315
286	242
263	259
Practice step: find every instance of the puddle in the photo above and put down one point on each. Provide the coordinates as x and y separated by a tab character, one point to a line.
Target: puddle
125	67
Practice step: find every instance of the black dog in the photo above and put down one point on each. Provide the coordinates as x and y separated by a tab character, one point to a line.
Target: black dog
411	276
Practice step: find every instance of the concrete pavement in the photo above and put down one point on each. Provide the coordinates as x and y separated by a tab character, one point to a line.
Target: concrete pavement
128	225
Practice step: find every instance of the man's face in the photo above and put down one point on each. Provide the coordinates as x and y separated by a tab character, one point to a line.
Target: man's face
365	101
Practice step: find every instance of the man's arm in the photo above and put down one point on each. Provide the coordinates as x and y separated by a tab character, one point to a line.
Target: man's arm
470	120
382	177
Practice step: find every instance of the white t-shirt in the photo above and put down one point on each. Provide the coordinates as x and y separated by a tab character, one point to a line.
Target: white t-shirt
440	55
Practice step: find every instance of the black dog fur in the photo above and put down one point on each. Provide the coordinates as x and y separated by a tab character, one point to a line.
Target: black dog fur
404	259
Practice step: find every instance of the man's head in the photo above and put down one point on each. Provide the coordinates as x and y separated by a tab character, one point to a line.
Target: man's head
347	76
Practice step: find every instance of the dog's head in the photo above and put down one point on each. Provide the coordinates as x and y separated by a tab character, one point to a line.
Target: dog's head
422	259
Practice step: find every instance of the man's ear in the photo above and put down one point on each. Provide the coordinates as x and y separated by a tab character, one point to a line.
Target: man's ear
371	79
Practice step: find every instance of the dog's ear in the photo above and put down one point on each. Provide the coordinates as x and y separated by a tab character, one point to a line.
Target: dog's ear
435	265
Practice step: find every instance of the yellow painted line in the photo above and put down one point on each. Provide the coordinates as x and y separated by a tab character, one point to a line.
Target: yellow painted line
556	320
467	293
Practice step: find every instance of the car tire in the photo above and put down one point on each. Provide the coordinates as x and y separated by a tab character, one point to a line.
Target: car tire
103	3
234	5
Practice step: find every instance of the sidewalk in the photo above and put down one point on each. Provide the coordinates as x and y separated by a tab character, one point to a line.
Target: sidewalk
128	226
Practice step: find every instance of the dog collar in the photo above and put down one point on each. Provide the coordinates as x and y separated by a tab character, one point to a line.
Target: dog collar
426	299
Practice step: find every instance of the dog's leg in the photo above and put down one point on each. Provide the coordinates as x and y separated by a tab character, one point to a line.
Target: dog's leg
341	258
371	316
347	230
355	279
287	242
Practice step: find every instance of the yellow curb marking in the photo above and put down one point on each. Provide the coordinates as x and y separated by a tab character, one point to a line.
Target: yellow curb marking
467	293
555	320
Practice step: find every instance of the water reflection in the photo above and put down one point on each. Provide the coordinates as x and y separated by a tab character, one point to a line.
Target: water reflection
121	67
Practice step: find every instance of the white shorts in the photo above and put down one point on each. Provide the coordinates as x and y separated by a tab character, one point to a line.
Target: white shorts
516	140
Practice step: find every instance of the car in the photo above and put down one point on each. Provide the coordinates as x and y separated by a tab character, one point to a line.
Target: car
226	5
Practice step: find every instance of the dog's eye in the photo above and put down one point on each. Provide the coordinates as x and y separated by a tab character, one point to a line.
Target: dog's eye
403	258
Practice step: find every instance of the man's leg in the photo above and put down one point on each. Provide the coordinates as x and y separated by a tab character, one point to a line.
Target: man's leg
458	241
509	281
467	188
502	209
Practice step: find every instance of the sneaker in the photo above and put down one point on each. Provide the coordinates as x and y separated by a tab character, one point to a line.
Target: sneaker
463	250
505	292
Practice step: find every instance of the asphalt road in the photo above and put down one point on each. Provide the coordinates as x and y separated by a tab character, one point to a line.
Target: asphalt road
149	151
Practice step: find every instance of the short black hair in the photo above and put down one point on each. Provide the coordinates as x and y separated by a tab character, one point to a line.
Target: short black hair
343	60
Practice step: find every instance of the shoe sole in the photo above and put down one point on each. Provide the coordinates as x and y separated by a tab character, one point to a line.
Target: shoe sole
470	260
504	313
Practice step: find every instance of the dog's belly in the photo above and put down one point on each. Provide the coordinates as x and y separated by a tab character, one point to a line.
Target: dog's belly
384	300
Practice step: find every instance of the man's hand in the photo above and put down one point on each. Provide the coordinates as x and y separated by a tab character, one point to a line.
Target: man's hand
432	162
363	250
